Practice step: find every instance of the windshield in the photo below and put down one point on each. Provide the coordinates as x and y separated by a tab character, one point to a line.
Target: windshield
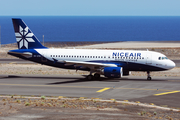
163	58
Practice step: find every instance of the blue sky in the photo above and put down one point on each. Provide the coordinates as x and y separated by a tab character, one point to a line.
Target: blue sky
90	7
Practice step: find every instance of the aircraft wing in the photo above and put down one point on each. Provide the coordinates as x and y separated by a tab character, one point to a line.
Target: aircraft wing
86	64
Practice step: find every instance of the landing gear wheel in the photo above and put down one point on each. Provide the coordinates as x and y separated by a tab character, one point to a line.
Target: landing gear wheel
89	77
148	78
96	76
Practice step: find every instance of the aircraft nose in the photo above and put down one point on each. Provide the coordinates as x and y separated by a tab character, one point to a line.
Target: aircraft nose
171	64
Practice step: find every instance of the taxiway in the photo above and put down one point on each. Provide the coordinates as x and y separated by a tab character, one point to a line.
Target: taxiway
160	91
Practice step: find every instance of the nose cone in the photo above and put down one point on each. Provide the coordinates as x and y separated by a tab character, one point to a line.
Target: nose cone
171	64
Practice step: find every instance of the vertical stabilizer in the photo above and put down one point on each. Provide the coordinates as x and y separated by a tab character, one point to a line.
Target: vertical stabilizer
24	36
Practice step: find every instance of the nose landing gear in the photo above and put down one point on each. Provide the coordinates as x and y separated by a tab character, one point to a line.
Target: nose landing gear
148	75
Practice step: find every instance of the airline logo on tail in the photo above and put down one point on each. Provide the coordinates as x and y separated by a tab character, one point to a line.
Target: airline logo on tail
23	37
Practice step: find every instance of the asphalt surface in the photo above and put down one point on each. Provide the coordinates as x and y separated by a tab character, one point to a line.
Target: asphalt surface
127	88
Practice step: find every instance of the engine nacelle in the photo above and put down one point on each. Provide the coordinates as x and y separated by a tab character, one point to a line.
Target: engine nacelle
113	72
126	73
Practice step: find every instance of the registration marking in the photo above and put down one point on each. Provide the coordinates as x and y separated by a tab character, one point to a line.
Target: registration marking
102	89
166	93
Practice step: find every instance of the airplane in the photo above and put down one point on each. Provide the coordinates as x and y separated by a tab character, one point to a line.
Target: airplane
110	63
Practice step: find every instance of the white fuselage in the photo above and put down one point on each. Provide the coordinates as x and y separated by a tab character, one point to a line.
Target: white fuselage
109	56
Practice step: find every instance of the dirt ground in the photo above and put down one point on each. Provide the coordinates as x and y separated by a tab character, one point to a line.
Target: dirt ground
12	108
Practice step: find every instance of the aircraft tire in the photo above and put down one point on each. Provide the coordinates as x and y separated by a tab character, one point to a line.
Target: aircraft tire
148	78
89	77
96	76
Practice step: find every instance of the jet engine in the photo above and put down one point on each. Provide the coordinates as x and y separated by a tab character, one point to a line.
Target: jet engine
113	72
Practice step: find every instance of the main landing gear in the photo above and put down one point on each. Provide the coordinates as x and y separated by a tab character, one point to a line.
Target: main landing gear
91	77
148	75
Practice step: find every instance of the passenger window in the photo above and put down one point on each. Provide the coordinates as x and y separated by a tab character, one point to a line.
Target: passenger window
159	58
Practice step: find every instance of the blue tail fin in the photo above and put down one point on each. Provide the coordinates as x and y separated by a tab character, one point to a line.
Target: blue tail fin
24	36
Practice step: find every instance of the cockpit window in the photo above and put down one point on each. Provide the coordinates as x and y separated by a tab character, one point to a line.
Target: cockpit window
163	58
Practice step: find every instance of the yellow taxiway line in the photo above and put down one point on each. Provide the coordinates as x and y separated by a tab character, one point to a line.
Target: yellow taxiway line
166	93
102	89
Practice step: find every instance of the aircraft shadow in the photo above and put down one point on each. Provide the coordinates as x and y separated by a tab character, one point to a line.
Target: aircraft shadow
140	79
77	79
67	79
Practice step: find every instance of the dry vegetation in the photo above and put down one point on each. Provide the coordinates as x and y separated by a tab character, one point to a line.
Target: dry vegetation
18	105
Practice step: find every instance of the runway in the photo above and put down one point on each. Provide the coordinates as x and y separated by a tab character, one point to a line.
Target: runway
160	91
